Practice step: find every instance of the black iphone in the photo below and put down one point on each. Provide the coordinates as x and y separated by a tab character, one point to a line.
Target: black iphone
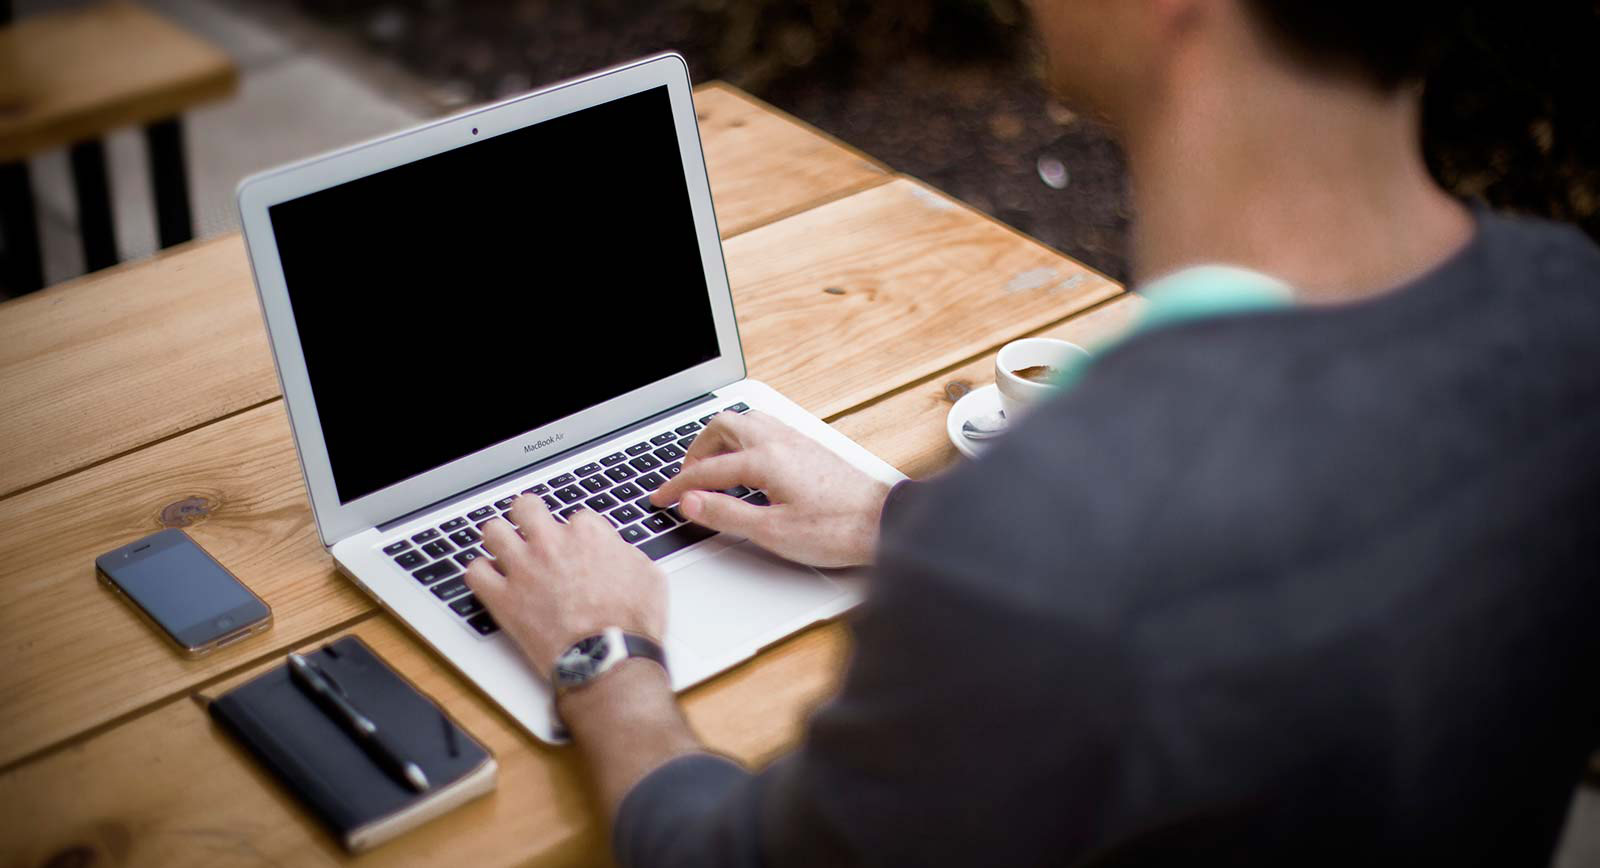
183	592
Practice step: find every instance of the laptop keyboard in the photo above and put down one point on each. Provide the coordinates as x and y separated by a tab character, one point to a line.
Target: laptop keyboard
617	486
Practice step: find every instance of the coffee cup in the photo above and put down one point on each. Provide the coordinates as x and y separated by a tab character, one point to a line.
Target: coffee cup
1026	372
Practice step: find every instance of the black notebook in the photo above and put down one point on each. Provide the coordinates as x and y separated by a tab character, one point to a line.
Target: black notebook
330	773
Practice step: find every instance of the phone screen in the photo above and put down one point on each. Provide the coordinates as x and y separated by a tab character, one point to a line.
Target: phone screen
182	588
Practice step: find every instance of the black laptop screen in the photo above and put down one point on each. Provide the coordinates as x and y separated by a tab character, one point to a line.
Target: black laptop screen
460	300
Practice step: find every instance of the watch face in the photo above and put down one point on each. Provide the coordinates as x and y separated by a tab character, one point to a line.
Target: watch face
582	660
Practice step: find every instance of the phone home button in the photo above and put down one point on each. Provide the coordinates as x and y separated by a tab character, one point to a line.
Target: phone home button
224	623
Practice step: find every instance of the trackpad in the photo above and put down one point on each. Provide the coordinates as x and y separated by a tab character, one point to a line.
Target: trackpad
737	595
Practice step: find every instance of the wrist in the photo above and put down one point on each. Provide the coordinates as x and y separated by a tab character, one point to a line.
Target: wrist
626	725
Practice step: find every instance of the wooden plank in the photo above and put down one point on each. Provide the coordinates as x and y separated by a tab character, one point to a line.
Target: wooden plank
127	356
80	73
908	271
77	657
170	788
83	364
907	428
858	297
762	170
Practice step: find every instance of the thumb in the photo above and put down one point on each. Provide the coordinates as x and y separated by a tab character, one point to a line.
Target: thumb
724	513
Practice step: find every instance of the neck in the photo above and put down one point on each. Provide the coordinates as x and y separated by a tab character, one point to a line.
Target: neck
1319	183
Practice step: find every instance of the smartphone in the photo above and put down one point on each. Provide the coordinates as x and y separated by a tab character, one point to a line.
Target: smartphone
183	592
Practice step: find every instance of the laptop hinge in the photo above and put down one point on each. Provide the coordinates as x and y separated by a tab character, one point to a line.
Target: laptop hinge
553	459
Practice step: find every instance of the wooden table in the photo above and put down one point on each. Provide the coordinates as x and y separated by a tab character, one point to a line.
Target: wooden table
145	396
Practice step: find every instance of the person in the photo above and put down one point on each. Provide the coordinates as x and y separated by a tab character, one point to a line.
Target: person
1309	585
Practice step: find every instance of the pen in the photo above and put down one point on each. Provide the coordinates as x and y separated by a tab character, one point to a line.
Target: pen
360	727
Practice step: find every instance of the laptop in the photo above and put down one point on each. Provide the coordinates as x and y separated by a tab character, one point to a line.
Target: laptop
525	300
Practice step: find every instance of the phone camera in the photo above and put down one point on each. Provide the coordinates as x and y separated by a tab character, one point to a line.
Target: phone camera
474	130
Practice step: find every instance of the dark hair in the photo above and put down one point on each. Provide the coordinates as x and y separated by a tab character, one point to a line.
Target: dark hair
1389	42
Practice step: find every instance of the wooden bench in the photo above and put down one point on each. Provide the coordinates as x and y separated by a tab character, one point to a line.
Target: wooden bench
109	756
73	76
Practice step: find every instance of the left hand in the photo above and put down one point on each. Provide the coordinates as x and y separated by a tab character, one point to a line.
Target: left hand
553	585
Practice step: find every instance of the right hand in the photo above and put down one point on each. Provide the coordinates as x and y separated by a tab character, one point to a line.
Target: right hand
824	511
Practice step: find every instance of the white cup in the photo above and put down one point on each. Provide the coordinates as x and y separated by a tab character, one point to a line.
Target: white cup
1018	395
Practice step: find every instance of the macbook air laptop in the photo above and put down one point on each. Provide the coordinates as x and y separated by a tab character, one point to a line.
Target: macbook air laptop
529	300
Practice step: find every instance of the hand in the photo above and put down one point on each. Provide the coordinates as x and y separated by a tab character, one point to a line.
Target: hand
824	511
565	583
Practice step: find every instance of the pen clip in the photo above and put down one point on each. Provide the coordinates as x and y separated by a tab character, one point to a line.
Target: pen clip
328	676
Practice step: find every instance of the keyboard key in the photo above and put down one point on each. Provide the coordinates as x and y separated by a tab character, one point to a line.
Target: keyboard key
686	442
613	458
659	522
638	449
661	439
671	510
668	452
686	429
570	493
396	548
468	556
633	533
706	420
644	505
736	491
452	524
758	498
423	537
451	589
740	407
672	469
680	537
483	623
627	491
589	469
600	502
563	479
468	605
593	484
481	513
465	537
551	503
436	571
626	514
645	462
411	559
505	503
652	481
438	548
541	488
572	510
620	472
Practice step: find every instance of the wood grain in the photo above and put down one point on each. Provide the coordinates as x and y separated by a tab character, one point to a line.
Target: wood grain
77	656
920	282
169	788
80	73
101	365
765	165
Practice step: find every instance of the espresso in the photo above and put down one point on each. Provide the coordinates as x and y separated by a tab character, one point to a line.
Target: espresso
1045	374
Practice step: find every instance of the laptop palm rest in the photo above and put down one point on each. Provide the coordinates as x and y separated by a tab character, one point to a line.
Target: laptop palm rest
737	596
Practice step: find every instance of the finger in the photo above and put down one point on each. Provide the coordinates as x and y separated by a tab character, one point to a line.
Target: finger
485	582
501	540
533	519
712	474
589	522
726	514
721	434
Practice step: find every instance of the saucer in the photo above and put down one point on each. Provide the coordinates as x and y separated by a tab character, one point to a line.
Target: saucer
977	402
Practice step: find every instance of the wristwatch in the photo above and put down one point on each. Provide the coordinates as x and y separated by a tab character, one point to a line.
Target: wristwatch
590	658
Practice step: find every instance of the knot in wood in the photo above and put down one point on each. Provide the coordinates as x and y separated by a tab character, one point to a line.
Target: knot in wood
72	857
834	290
186	512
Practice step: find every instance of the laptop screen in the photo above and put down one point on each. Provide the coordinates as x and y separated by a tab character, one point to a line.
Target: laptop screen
449	304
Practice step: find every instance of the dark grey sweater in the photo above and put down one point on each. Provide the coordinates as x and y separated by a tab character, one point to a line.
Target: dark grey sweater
1308	586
